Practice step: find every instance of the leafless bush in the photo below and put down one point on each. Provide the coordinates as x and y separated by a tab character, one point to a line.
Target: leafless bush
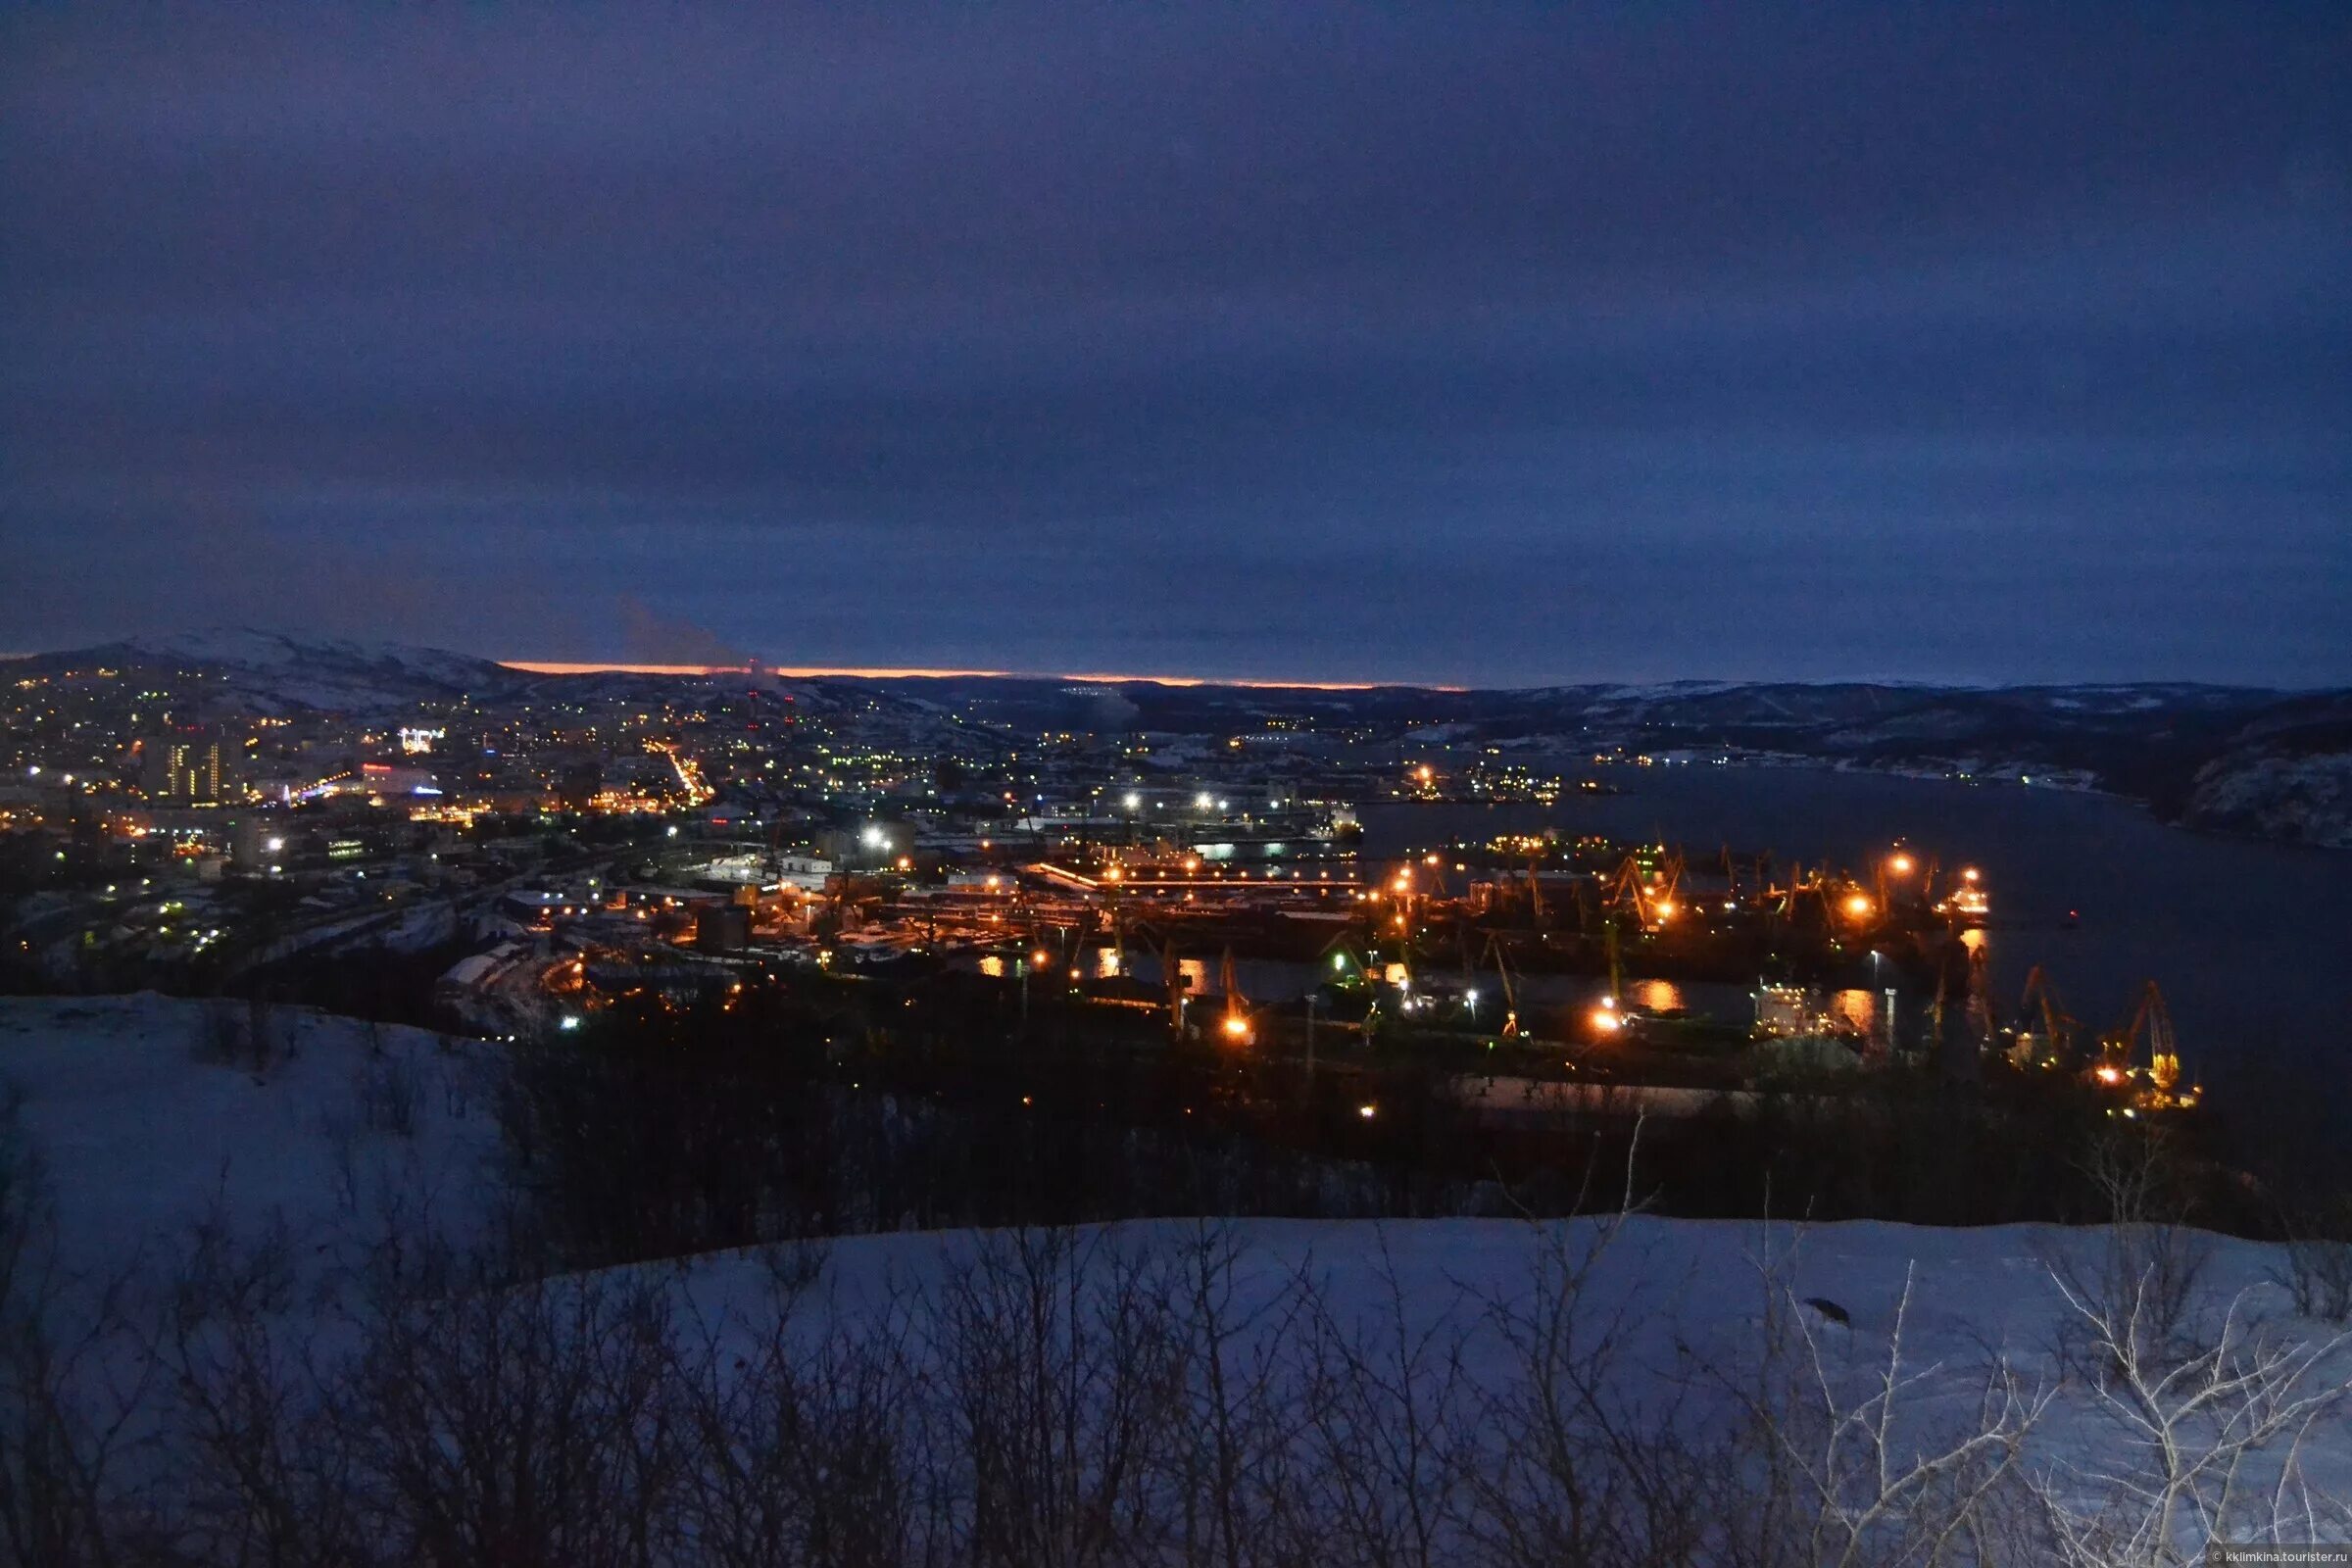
66	1407
1591	1458
800	1444
1238	1483
258	1473
1585	1453
2149	1268
532	1424
1054	1368
2197	1447
1389	1433
219	1032
2317	1271
1851	1464
388	1091
248	1035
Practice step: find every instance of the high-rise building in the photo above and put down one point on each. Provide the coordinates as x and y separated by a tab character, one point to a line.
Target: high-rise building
248	840
186	769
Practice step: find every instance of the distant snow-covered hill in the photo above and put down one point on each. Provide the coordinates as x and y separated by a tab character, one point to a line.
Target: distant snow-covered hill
269	672
2302	799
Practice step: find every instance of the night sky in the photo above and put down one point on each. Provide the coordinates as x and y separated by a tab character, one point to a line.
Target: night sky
1447	343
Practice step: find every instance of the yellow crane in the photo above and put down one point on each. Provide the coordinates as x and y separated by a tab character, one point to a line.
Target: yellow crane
2150	1016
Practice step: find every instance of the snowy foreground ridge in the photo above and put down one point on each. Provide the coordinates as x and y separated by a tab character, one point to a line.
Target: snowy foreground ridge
1428	1391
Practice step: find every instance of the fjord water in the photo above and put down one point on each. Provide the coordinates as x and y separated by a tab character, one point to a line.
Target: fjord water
2251	942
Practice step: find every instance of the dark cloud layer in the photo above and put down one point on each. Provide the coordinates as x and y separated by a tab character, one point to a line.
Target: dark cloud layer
1459	343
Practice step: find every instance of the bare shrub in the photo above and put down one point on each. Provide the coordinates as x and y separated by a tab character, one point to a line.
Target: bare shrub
388	1091
800	1445
1852	1464
1054	1365
1237	1479
258	1474
2318	1270
2149	1267
219	1032
67	1410
1590	1458
249	1035
2201	1444
531	1425
1388	1438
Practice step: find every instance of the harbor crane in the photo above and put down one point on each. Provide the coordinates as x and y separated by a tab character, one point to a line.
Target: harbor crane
1510	992
2151	1017
2045	1031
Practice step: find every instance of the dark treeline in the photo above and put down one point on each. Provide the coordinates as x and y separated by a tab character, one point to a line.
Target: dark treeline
795	1107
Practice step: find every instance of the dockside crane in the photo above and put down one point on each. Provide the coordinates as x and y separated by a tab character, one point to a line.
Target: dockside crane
2153	1018
2046	1031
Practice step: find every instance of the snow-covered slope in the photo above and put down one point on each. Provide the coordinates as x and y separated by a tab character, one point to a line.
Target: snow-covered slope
149	1115
2299	799
1400	1337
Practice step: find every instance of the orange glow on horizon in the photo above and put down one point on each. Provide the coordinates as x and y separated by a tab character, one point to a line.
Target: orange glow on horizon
538	667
